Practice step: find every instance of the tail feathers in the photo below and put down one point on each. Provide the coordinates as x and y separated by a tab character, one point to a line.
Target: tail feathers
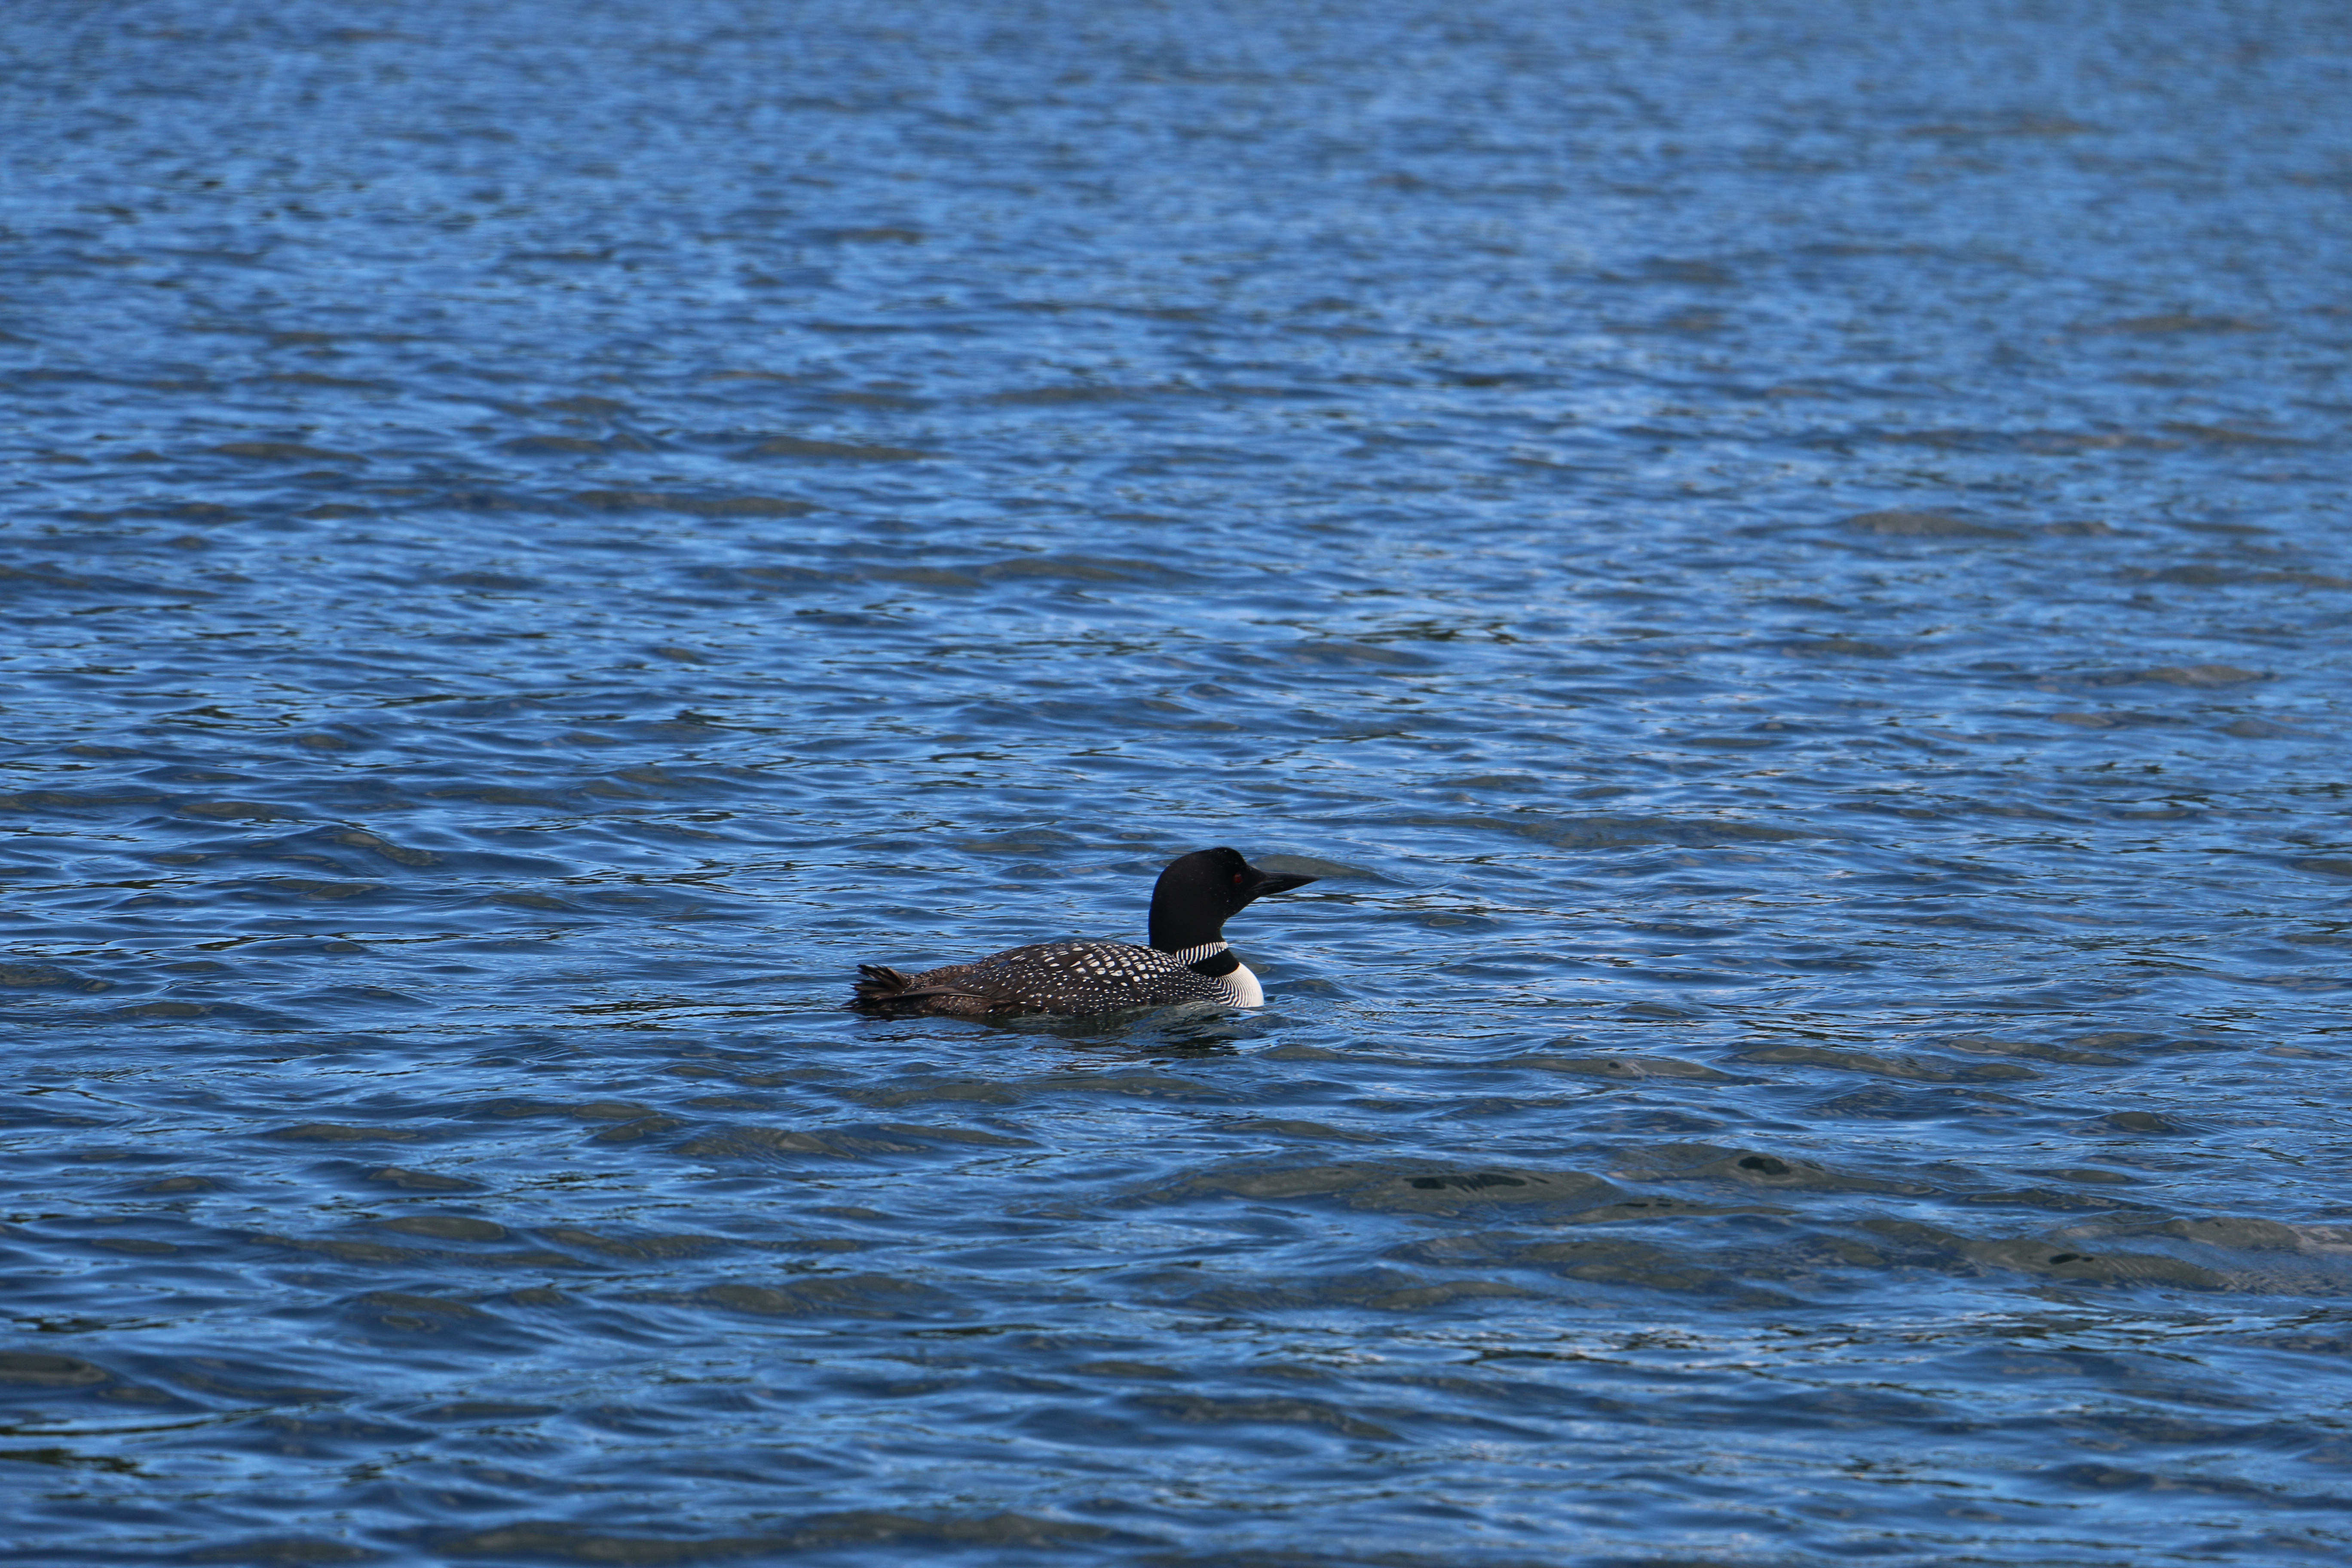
893	994
881	986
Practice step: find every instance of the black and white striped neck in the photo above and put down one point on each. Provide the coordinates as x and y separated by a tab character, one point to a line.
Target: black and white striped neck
1211	958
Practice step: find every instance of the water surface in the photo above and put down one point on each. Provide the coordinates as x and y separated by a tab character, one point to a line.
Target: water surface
1784	563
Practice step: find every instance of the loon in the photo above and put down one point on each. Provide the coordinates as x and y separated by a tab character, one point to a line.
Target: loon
1187	960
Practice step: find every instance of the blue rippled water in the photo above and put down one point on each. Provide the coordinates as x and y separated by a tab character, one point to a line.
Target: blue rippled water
1784	563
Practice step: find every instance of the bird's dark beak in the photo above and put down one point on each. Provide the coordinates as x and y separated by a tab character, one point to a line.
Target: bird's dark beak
1260	883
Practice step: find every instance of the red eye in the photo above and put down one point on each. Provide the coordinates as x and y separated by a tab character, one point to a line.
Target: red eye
1237	879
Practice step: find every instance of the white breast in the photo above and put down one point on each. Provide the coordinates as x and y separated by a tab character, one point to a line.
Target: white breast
1242	987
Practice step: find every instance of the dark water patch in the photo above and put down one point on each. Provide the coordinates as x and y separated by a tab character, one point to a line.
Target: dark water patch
1933	525
1371	1187
861	1296
806	450
1916	1068
697	506
1929	1247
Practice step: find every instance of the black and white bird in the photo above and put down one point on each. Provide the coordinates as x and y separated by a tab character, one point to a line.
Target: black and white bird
1187	960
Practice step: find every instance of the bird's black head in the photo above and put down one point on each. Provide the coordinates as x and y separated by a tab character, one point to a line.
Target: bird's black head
1197	894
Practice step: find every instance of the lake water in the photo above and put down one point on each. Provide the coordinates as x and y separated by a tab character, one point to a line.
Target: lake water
1785	564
